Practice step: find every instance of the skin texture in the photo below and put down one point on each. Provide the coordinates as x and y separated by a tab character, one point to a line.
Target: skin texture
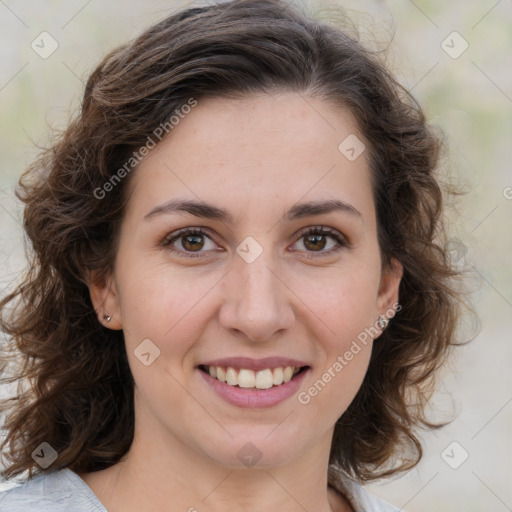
256	158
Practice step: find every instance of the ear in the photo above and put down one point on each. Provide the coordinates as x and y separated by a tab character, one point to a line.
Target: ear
105	299
387	299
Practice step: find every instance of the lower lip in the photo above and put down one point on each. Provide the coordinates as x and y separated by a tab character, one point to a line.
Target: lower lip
254	398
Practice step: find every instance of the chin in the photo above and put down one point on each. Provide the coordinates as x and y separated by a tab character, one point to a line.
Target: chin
259	450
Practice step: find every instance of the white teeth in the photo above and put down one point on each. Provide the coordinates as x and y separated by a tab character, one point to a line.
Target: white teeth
221	374
278	376
264	379
288	374
232	377
244	378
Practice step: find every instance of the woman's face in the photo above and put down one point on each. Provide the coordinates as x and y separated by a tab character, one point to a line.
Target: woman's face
249	242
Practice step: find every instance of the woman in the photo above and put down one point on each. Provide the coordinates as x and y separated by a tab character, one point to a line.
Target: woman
221	241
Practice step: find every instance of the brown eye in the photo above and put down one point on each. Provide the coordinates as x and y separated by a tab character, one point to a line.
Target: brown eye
189	242
315	242
321	240
192	242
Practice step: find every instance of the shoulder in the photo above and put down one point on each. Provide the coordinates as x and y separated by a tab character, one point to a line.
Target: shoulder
358	497
369	502
58	491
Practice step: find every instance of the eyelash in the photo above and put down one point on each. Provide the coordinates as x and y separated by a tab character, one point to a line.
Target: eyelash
315	230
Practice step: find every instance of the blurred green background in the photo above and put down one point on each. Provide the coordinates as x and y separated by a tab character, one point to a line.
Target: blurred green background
467	92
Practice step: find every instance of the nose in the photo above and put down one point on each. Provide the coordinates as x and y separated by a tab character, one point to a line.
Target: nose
257	303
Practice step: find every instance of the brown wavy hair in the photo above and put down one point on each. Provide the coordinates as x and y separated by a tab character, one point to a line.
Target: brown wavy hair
75	386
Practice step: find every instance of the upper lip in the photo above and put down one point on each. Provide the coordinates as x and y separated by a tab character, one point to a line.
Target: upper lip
255	364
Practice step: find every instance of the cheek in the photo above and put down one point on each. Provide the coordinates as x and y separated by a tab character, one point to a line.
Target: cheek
343	313
161	302
332	387
344	300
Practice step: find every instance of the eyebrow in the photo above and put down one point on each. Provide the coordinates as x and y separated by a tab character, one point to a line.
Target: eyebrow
208	211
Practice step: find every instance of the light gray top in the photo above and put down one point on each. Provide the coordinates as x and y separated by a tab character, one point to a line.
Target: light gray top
58	491
65	491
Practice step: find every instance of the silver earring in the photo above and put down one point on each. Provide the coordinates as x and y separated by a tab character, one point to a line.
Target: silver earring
107	318
382	322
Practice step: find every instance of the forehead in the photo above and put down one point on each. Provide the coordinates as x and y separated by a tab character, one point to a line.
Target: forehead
257	149
264	127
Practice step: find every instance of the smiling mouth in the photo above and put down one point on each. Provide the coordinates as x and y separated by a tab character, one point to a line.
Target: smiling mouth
249	379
